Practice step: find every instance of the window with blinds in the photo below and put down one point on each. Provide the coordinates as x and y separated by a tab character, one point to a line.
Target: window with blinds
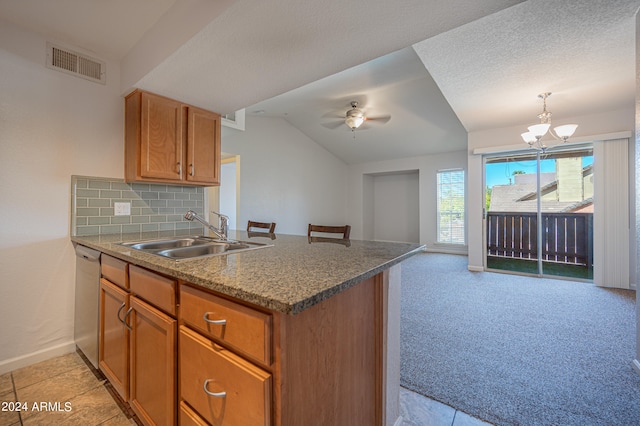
450	207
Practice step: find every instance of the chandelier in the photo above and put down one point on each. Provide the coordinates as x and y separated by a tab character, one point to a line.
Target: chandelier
538	131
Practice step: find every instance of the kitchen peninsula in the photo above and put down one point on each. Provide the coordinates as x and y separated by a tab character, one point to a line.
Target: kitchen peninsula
320	337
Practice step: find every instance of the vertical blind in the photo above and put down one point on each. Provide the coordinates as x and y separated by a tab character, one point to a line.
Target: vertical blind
450	207
611	225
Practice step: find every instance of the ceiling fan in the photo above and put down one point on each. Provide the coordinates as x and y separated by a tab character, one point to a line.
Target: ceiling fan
355	118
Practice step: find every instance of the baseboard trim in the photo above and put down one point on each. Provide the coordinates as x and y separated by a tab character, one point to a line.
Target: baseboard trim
473	268
445	250
35	357
636	365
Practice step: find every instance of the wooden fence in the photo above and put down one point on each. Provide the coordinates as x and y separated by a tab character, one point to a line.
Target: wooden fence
566	237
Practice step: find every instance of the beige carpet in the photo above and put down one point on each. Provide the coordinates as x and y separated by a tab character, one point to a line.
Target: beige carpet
514	350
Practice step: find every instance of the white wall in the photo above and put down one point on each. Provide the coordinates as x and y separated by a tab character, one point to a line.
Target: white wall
597	124
285	177
362	196
52	125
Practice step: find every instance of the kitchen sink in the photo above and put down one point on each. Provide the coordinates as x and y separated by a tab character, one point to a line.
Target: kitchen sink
168	243
186	248
205	250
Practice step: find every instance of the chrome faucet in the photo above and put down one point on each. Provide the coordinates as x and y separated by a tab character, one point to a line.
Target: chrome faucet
223	229
223	224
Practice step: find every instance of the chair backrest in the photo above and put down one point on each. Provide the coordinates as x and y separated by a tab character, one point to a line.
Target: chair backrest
270	226
344	230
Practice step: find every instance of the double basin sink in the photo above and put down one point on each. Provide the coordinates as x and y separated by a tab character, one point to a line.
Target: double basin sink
185	248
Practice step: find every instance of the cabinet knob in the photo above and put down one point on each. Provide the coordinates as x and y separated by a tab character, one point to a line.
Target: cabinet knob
179	168
210	321
214	394
192	169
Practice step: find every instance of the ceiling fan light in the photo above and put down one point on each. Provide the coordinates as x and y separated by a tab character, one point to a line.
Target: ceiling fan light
539	130
565	131
354	121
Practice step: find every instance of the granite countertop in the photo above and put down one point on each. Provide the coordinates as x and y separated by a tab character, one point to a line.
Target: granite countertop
288	277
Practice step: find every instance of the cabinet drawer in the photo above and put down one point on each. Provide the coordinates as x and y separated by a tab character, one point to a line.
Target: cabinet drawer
188	417
154	288
223	388
114	270
246	330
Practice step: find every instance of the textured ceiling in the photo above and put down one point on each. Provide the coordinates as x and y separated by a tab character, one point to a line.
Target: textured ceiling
438	67
395	85
108	28
258	49
492	70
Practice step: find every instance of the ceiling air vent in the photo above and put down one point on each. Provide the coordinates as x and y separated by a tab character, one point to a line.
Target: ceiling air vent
78	64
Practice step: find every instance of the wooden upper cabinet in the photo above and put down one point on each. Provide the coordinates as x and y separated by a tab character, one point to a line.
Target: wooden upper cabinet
170	142
203	157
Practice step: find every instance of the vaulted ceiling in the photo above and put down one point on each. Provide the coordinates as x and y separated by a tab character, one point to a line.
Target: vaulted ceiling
439	68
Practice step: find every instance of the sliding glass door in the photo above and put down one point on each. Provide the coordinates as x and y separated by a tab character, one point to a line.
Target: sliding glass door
539	213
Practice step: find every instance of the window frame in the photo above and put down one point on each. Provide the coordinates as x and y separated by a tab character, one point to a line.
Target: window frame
457	185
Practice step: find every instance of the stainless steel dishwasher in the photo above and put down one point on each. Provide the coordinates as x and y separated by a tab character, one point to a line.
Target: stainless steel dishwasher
87	302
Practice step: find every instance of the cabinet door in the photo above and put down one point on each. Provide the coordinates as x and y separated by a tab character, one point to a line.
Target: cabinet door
203	146
162	138
114	337
153	364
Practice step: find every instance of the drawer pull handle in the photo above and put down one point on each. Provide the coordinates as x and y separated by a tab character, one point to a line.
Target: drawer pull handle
126	315
120	310
216	322
214	394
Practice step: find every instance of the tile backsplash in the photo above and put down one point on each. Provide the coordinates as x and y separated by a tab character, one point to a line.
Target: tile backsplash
154	207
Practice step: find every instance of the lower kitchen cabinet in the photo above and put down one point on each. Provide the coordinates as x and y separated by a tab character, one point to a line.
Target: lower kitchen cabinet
153	364
113	354
138	340
188	417
222	387
181	354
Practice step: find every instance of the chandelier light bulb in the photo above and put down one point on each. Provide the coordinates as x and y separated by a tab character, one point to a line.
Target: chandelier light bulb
528	137
539	130
566	131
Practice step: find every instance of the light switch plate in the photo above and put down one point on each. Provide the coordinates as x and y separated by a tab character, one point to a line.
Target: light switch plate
122	209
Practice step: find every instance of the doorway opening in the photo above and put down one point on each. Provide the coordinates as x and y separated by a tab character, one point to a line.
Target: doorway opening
226	197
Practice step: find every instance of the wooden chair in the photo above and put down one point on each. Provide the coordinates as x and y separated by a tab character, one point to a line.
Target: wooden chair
344	230
269	226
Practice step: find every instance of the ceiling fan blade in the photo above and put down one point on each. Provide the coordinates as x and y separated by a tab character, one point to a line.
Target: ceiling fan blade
333	124
380	119
334	115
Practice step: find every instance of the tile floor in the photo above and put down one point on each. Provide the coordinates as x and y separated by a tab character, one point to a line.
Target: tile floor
59	391
417	410
65	391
